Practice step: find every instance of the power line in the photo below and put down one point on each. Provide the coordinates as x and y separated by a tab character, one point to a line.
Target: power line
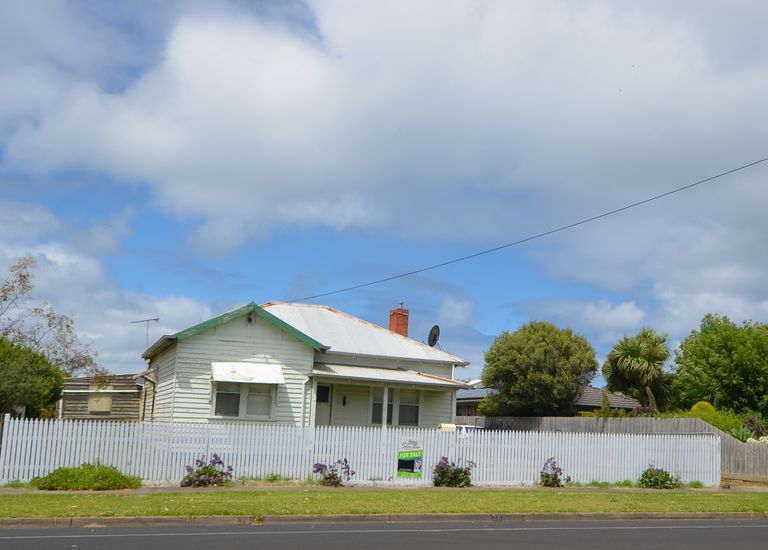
537	236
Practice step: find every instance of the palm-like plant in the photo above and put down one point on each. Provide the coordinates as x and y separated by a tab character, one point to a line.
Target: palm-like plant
635	365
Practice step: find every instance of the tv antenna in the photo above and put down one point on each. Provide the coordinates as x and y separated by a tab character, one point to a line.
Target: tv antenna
147	321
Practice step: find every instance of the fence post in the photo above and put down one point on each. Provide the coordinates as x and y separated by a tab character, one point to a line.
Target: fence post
4	447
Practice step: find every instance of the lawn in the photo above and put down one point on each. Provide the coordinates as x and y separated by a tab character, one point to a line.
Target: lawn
314	500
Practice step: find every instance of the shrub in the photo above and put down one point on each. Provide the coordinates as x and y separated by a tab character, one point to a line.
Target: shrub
742	433
551	474
336	474
703	407
207	474
723	420
93	477
657	478
448	474
753	423
643	411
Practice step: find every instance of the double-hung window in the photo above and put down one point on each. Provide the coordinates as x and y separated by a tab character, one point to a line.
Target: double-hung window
227	399
378	401
408	411
245	389
243	400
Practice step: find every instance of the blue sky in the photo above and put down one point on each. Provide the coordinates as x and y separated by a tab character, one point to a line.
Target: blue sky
177	159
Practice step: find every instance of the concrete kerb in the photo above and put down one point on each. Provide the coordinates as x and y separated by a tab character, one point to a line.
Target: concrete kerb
176	521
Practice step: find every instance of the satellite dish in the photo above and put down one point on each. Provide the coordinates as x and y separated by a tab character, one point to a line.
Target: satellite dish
434	336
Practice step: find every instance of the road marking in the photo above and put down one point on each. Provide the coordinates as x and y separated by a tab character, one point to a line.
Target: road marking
385	531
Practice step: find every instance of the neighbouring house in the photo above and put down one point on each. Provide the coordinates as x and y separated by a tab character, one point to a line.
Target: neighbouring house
114	397
299	364
591	398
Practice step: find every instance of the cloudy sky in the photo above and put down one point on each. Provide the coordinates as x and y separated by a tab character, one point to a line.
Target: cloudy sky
175	159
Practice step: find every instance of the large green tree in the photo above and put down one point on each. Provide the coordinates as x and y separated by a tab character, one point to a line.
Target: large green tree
635	367
28	379
537	370
725	364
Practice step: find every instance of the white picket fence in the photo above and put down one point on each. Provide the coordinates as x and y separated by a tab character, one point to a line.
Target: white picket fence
160	451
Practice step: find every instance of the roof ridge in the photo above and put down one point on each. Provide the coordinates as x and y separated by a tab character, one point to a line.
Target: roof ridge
369	323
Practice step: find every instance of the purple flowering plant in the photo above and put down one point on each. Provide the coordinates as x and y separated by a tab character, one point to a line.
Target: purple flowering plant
334	474
448	474
658	478
207	473
552	474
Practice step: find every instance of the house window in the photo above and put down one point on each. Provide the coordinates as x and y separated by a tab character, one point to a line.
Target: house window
243	400
409	408
378	401
323	394
227	399
100	402
259	401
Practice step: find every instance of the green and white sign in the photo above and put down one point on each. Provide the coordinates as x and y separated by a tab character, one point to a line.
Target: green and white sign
410	458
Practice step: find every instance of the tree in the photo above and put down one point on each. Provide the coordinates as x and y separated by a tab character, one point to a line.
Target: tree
635	367
725	364
28	379
37	325
539	369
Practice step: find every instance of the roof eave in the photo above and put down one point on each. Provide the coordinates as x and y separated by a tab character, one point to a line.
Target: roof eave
457	362
163	343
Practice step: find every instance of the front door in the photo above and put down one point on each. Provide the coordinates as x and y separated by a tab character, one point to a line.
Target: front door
323	405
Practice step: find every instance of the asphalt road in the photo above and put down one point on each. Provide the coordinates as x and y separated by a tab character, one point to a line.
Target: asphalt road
640	535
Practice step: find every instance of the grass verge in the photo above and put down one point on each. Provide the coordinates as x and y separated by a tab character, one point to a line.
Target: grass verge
259	503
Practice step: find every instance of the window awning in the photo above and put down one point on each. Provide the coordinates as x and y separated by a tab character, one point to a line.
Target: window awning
247	373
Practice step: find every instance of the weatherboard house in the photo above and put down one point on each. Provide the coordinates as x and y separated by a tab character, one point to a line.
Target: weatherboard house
299	364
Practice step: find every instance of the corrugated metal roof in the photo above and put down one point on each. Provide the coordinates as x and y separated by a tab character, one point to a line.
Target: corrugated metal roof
399	376
344	333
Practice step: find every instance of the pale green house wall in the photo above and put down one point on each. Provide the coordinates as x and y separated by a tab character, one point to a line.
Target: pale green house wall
165	365
239	340
184	388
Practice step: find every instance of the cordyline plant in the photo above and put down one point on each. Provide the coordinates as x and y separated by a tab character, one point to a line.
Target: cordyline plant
335	474
552	474
207	474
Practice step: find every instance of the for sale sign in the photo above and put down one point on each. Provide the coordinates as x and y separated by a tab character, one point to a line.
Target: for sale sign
410	458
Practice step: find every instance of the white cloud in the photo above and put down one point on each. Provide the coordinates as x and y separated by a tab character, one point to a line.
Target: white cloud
604	315
105	237
601	321
25	222
474	121
457	312
252	126
76	284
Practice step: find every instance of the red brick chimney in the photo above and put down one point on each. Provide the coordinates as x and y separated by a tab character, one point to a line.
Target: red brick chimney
398	320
